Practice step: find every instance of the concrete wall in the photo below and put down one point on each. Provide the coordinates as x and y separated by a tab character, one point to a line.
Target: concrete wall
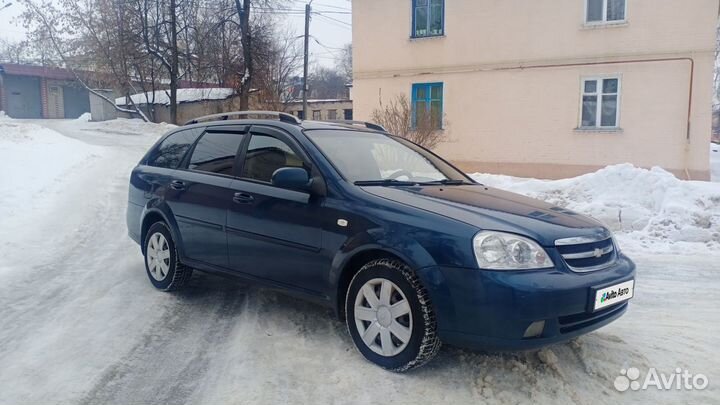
100	109
512	76
323	107
189	111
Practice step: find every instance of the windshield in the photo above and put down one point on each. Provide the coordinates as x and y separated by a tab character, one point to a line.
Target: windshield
372	157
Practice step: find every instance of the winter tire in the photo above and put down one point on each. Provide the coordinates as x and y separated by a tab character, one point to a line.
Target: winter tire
390	317
163	268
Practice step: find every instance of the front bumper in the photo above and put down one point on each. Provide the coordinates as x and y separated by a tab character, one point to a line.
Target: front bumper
491	310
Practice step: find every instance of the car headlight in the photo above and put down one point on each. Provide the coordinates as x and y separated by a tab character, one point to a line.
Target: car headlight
506	251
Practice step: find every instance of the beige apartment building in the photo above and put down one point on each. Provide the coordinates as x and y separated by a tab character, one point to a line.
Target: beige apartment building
546	88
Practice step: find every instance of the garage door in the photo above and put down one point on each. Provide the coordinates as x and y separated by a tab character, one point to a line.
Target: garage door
23	96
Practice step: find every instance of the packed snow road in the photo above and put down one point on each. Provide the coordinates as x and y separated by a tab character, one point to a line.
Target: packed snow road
81	324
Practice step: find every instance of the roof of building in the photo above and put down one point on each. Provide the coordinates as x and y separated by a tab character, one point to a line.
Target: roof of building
46	72
183	96
322	100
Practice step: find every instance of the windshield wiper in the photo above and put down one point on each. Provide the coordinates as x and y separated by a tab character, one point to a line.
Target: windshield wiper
386	182
445	182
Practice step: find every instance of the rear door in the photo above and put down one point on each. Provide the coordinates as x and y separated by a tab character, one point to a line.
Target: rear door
275	233
200	194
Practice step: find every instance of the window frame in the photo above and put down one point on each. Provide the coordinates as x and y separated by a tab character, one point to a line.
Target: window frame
604	20
600	80
185	164
413	31
428	100
278	133
152	152
237	129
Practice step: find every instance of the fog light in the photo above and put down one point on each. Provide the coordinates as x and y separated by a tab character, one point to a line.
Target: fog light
534	330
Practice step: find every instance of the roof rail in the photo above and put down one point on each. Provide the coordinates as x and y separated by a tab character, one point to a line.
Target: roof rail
368	125
284	117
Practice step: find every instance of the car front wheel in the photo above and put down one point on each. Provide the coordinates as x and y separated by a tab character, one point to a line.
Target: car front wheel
390	317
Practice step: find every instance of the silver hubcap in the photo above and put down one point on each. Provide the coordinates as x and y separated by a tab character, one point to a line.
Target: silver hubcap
383	317
158	256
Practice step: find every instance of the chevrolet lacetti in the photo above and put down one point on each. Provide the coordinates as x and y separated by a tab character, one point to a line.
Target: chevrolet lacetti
405	248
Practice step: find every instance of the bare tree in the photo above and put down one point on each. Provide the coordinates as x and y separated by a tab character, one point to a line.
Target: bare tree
279	59
14	52
327	83
397	117
344	64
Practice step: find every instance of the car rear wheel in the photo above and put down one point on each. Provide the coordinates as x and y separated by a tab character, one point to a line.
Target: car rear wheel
390	317
162	264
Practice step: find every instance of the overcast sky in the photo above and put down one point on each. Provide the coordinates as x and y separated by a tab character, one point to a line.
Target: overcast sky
330	33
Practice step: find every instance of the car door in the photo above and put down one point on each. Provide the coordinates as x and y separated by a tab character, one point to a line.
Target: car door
275	233
200	194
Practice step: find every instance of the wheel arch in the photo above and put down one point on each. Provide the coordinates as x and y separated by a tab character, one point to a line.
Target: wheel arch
353	261
153	215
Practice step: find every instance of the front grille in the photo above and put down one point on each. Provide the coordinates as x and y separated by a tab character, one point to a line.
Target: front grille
571	323
587	255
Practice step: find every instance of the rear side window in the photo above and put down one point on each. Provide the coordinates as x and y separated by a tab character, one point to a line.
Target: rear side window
215	153
172	149
266	154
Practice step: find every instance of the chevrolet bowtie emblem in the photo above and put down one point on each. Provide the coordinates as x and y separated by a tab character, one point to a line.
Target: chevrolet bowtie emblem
597	252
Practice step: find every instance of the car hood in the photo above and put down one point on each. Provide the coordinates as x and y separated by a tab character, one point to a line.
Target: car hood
493	209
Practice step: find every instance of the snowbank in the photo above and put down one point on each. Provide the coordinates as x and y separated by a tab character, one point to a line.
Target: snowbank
183	96
85	117
648	209
35	162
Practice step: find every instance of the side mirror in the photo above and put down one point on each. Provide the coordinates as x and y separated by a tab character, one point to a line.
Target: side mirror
295	178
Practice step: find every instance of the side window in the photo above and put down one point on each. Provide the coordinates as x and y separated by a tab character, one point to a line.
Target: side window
600	102
427	105
215	153
172	150
604	11
428	18
266	154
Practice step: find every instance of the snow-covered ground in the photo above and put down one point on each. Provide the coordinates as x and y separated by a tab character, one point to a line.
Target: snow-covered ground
80	323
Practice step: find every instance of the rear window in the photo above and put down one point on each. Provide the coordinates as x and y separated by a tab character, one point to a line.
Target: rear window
172	149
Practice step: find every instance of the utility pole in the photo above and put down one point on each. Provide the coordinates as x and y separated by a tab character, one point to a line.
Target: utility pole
305	64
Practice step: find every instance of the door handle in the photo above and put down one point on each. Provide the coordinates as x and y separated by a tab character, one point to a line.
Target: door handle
243	198
177	185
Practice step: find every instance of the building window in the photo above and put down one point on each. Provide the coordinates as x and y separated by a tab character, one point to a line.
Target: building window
332	115
348	114
604	11
427	104
301	114
600	102
316	115
428	18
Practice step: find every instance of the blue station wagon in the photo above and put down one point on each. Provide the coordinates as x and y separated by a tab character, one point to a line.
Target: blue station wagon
405	248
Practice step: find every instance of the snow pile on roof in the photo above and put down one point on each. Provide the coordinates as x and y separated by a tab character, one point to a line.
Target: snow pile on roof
183	96
649	209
